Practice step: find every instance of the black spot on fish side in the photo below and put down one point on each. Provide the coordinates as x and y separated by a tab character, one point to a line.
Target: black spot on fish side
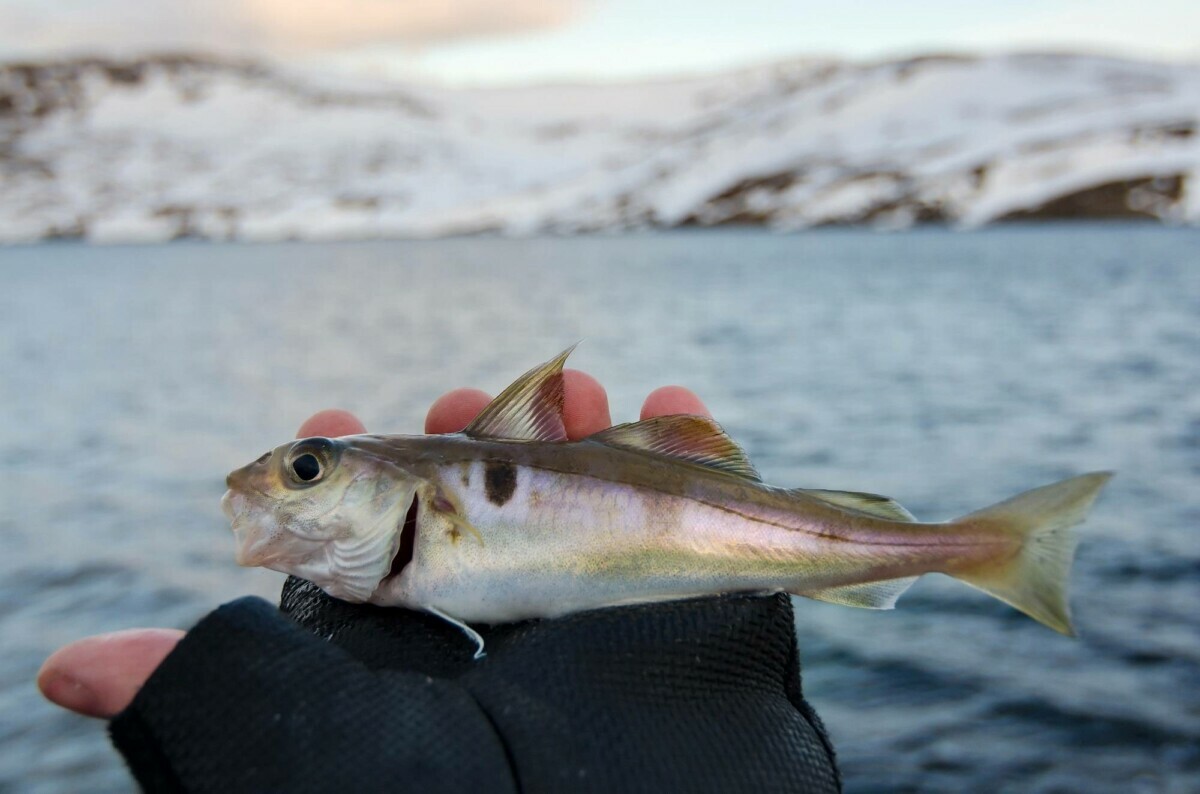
500	480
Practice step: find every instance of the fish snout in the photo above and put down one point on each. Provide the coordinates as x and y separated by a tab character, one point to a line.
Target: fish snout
236	479
251	477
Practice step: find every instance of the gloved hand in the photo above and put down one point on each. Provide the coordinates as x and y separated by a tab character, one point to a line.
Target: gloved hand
699	695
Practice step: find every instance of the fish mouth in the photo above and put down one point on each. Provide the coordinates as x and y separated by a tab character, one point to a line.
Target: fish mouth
254	548
227	505
407	546
253	545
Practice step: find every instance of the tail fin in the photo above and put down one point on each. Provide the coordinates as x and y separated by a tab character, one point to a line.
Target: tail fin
1035	579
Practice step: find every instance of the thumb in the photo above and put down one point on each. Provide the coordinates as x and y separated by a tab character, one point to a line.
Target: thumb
99	676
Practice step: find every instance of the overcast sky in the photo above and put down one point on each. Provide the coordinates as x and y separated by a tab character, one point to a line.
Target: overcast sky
514	41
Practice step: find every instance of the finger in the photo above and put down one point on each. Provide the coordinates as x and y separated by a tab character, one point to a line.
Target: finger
331	423
670	400
585	405
454	410
99	676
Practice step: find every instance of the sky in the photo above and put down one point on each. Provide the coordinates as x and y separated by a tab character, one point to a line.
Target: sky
489	42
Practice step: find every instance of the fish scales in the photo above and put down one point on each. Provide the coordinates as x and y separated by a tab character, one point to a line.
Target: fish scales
508	520
572	540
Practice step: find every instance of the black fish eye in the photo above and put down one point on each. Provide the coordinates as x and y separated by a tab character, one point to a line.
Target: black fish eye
306	467
309	461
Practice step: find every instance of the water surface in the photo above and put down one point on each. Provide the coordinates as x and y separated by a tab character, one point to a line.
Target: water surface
948	370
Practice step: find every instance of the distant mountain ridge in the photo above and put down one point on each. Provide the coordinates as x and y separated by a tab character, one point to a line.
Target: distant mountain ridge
182	146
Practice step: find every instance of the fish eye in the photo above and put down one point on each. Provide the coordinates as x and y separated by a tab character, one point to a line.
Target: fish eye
306	467
310	460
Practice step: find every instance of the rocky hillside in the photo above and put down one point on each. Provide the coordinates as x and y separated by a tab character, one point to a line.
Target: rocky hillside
190	147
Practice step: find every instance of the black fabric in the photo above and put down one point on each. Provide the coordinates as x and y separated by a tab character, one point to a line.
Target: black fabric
701	695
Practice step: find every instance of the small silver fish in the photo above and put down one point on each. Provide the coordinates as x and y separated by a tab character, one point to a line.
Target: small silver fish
508	520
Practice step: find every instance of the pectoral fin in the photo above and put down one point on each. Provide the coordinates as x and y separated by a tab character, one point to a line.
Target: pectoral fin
446	507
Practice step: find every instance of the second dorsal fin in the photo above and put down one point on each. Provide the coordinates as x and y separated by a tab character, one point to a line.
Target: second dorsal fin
870	503
531	409
696	439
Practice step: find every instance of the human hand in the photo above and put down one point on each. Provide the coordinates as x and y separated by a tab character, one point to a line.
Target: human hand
320	694
99	676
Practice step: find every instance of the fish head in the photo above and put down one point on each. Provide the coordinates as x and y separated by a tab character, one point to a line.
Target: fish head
321	509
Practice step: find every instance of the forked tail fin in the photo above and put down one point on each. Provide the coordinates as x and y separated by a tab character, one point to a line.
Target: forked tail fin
1035	579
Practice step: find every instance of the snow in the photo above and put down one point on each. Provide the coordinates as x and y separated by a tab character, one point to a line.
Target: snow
193	147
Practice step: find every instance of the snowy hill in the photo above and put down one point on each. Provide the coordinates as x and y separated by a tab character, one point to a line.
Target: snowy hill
172	147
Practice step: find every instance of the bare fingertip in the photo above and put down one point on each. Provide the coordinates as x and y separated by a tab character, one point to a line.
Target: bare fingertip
454	410
585	405
671	400
66	692
99	676
331	423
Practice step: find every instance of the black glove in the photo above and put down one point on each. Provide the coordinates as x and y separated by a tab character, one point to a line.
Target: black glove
699	695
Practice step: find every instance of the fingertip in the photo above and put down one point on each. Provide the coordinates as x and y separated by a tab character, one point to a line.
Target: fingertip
454	410
671	400
99	676
585	405
331	423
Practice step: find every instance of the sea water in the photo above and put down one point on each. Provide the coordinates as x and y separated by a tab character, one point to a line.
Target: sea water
949	370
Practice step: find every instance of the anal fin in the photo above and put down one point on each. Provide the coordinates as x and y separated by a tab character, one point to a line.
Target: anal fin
868	595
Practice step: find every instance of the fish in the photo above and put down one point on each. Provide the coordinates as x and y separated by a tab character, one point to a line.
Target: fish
509	520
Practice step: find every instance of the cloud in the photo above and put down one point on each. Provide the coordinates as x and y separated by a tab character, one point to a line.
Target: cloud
277	27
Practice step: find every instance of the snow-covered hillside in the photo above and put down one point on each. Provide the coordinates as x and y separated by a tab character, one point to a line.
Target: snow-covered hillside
171	147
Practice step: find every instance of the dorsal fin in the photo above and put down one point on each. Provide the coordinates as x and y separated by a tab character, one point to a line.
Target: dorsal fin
870	503
696	439
531	409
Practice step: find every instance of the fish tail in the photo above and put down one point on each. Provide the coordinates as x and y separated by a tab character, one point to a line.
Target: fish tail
1034	580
